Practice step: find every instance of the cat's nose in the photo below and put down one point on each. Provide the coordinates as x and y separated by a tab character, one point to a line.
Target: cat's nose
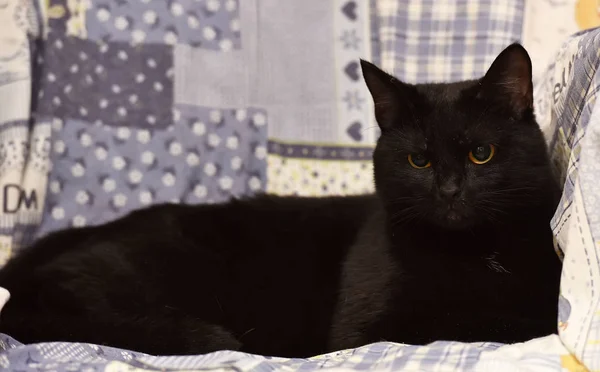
449	190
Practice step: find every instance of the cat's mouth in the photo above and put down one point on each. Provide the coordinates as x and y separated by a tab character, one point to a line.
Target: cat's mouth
454	217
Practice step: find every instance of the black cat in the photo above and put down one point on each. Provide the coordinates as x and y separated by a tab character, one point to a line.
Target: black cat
455	245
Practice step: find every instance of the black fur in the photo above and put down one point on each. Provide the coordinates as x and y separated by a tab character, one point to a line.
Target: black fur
456	251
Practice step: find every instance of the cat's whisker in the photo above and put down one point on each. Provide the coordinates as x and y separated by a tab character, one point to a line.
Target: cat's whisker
510	194
491	213
485	111
403	215
414	200
491	205
366	129
381	103
513	189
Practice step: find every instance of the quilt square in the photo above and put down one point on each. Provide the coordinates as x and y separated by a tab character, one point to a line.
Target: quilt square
110	83
208	24
102	172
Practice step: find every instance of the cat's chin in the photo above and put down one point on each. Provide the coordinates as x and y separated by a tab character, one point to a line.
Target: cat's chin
453	220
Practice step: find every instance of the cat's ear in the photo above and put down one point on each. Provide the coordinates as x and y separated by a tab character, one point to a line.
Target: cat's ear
508	81
385	90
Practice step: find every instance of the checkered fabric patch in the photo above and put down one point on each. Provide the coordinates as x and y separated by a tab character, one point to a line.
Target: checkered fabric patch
449	40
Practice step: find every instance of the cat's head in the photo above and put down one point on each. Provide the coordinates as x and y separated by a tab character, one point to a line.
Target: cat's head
460	154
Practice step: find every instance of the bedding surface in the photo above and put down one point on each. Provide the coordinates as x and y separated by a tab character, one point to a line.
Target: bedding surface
107	106
537	355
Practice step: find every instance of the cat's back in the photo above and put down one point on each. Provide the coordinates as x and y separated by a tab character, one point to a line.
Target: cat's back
278	258
251	223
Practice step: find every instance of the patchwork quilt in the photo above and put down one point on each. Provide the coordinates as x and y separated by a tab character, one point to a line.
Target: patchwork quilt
109	105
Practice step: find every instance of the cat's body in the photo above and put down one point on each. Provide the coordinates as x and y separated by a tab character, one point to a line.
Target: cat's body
448	248
177	268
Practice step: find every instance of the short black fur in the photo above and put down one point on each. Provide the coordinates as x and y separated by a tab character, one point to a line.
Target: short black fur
451	251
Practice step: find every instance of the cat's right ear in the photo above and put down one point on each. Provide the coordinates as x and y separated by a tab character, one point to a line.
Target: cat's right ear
385	90
508	81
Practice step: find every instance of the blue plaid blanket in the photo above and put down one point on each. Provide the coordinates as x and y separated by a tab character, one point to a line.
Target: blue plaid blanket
537	355
108	105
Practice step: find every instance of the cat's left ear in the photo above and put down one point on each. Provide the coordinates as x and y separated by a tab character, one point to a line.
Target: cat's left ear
508	81
386	91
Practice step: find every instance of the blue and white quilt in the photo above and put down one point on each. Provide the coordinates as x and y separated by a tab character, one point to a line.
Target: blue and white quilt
110	105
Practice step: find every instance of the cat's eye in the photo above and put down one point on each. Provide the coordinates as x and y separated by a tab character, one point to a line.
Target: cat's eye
419	161
482	154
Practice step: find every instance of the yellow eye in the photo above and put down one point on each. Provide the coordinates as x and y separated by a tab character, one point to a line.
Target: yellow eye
418	161
482	154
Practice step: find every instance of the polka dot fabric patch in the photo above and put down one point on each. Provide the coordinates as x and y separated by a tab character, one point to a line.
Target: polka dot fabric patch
108	83
102	172
208	24
312	177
